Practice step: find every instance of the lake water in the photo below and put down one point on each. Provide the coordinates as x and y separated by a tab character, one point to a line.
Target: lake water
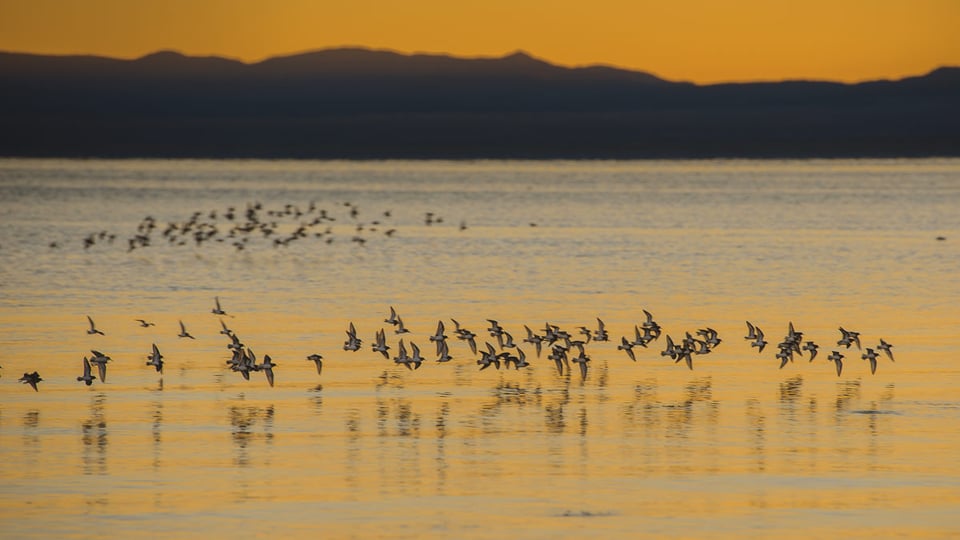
736	447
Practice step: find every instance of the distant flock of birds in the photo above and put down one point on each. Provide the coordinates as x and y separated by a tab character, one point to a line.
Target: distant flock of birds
281	227
564	347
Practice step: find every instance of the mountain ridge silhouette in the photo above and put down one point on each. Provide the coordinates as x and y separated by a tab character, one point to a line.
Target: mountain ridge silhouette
353	102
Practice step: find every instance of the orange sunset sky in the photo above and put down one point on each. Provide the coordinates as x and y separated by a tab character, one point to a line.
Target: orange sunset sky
694	40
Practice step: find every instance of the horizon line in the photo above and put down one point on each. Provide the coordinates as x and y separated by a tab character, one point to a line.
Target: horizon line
513	52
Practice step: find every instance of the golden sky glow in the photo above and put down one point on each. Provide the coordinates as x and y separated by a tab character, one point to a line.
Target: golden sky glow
695	40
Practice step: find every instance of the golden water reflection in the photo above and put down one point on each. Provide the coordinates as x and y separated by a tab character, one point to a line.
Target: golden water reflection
534	435
736	447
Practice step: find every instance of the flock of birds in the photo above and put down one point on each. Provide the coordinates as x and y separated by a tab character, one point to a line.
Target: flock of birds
564	347
290	223
280	227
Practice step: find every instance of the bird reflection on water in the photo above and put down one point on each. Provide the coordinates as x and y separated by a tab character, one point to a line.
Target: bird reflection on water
95	437
353	465
443	418
157	432
757	425
847	392
316	396
790	391
251	424
31	437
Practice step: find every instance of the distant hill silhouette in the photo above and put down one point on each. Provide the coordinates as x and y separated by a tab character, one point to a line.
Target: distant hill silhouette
358	103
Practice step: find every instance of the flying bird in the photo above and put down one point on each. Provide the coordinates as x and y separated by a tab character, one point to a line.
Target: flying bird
225	331
534	339
353	342
751	332
640	339
601	333
627	347
155	359
93	327
559	356
871	355
380	344
439	336
392	319
318	360
466	335
183	332
402	356
87	377
443	354
582	360
100	360
885	347
32	379
416	359
849	337
758	341
267	368
401	329
216	309
488	358
836	358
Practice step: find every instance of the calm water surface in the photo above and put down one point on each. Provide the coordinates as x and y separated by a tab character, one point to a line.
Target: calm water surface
736	447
